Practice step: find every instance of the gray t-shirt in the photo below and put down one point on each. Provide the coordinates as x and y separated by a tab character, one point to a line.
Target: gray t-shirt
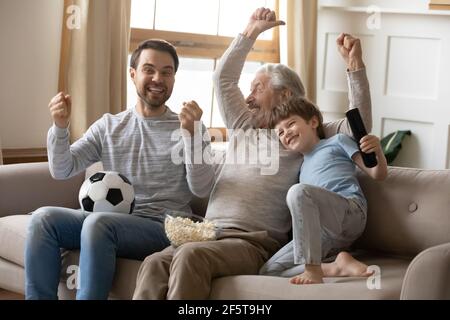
142	150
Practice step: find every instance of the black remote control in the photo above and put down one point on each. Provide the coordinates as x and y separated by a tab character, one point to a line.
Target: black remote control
359	131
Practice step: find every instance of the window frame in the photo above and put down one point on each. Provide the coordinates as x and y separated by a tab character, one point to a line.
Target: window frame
439	4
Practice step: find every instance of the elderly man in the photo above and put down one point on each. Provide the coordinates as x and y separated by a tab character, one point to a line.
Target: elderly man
250	207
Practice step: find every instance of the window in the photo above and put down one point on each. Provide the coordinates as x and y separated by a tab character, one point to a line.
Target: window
201	30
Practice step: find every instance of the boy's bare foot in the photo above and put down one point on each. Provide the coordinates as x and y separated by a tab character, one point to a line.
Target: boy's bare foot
345	266
312	274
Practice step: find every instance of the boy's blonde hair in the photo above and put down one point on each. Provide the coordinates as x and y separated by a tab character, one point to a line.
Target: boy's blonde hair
301	107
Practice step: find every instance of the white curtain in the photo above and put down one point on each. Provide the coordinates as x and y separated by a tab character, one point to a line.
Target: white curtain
93	67
298	40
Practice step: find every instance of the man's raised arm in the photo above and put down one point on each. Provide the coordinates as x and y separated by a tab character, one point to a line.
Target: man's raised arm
67	160
358	86
232	105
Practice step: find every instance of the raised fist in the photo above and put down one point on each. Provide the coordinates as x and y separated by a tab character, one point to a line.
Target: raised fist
60	108
350	49
190	113
261	20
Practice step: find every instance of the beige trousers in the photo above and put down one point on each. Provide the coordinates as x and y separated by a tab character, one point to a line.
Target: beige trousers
186	272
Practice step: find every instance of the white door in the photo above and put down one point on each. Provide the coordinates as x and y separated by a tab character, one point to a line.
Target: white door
407	54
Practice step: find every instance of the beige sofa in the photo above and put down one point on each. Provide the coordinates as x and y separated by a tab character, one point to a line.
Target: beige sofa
407	239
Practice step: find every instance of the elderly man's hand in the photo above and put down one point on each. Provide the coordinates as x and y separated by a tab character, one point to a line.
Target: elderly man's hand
350	49
261	20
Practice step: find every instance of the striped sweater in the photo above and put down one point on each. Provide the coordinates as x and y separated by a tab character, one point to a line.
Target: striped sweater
142	149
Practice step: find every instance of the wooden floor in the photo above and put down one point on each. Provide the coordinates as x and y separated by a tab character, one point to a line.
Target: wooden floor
6	295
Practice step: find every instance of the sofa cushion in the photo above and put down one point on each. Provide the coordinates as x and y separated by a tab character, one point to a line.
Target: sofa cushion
13	231
408	212
12	277
266	287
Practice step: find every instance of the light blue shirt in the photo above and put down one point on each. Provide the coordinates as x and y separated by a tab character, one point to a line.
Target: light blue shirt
330	166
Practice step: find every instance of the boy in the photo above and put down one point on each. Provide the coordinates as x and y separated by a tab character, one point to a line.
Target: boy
328	207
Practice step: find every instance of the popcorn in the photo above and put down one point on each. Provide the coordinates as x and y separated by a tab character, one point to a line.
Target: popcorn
180	230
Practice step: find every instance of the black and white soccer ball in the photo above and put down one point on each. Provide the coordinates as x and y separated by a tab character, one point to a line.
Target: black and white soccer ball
107	191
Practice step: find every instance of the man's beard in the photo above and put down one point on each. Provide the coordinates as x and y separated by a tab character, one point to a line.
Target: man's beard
152	103
260	118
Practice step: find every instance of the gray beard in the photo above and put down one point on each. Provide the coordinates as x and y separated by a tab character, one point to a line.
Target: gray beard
259	120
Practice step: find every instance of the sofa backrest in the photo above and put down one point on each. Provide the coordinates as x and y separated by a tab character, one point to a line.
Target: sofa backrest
408	212
25	187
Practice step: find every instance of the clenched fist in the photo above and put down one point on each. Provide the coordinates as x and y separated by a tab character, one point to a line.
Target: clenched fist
350	49
190	113
60	107
261	20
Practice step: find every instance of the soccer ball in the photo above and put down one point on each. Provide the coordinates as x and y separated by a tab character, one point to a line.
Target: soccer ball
107	191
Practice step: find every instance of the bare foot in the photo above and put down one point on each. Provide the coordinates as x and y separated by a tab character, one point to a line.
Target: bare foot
345	266
312	274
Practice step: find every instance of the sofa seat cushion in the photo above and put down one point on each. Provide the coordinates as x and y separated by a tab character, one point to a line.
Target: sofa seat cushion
271	288
256	287
13	231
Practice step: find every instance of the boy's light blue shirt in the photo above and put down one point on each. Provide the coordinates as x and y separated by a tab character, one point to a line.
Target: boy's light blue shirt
330	166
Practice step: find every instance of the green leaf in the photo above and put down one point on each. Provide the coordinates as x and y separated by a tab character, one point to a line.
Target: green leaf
392	144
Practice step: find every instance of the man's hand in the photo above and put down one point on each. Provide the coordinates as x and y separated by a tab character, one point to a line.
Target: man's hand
60	108
350	49
261	20
190	113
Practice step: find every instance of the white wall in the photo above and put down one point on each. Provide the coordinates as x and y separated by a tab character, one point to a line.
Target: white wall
30	33
408	64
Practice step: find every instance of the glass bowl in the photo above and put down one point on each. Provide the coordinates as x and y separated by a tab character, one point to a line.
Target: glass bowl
183	228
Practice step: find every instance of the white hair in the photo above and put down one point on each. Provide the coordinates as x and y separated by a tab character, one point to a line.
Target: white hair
282	77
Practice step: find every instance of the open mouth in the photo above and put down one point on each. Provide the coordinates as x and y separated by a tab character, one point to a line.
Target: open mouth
155	90
253	107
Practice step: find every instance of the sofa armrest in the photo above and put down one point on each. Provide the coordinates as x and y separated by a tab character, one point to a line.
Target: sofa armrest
428	275
27	186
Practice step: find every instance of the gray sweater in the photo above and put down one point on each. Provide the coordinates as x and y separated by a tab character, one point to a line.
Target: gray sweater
243	197
141	149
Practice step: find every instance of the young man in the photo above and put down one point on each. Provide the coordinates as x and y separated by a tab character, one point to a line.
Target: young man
138	143
249	206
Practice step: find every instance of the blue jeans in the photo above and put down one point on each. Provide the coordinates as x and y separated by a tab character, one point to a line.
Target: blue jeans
101	237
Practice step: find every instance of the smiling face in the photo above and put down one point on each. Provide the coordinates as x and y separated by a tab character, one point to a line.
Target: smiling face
297	134
154	78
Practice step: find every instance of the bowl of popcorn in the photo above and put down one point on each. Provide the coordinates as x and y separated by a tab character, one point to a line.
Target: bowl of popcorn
183	228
